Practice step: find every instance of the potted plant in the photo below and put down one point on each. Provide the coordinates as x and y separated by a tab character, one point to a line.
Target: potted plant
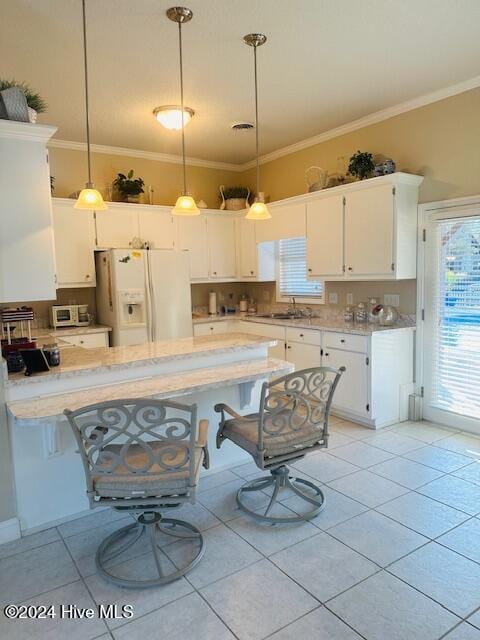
129	187
234	198
361	165
36	104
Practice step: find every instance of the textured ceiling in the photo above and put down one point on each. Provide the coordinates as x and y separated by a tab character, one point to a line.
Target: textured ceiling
326	63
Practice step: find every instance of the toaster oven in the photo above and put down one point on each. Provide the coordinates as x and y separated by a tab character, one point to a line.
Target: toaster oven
64	316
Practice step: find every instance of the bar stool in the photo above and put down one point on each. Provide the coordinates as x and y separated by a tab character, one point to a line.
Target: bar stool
141	456
292	421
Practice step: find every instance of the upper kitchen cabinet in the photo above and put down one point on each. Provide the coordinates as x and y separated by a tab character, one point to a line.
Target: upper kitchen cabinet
27	256
192	236
288	221
221	246
74	232
117	226
364	231
254	261
155	226
325	231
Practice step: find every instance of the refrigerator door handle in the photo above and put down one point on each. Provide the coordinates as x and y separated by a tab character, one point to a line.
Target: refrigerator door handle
153	307
148	300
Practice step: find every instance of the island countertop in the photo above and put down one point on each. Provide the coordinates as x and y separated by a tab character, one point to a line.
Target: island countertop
79	361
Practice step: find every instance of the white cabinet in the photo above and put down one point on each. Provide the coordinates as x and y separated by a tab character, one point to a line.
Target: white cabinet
192	236
117	226
288	221
369	227
351	394
221	246
269	331
210	328
27	255
303	348
155	226
255	261
88	340
74	232
325	237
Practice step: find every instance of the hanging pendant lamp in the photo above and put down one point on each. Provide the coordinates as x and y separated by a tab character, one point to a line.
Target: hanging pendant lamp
185	205
258	210
89	197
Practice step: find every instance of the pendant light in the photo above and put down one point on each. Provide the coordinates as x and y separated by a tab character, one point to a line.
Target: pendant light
89	197
185	205
258	210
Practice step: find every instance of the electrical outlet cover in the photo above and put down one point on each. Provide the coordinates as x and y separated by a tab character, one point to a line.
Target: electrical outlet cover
333	298
391	299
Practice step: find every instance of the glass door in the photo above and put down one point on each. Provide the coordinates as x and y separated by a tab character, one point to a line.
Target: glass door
451	334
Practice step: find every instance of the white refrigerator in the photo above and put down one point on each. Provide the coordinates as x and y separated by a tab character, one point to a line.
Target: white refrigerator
144	295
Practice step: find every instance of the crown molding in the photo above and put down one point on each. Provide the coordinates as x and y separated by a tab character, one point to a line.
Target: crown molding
365	121
146	155
360	123
26	131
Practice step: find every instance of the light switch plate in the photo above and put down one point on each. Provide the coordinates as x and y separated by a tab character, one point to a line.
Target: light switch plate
333	298
391	299
349	298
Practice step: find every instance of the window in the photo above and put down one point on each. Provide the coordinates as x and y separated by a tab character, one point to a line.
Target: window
292	272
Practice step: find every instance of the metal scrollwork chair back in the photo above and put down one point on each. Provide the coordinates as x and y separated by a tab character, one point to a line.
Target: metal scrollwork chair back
292	421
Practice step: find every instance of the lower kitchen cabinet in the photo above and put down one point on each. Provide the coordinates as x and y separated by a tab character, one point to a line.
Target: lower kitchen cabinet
303	356
269	331
210	328
351	393
88	340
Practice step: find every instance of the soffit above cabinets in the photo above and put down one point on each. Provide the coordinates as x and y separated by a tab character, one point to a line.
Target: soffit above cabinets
326	65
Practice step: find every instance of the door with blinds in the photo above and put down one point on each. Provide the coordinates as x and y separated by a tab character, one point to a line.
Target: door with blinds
451	334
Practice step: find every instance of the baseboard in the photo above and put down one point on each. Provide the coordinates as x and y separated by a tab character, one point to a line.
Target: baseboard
9	530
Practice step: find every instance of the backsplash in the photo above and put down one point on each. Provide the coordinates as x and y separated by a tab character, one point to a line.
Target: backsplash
64	296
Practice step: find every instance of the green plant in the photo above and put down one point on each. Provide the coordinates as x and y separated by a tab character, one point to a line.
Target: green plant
34	100
361	164
235	192
127	185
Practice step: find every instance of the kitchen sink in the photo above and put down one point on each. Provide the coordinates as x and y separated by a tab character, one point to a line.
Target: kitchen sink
276	316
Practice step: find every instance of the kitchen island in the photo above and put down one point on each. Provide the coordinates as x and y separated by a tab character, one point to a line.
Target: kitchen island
49	478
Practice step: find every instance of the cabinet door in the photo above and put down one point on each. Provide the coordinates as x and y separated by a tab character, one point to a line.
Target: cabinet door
116	228
74	233
156	227
287	221
221	246
351	393
369	220
325	237
269	331
192	236
303	356
88	340
210	329
247	249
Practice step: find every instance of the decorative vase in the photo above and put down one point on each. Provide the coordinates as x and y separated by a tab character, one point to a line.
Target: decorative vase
236	204
32	115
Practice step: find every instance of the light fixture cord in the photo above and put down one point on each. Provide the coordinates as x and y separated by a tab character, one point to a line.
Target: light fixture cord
86	90
256	116
181	101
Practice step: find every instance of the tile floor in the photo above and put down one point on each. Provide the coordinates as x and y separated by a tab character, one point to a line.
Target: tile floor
395	554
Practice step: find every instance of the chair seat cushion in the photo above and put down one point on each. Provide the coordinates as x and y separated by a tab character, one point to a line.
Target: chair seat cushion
157	482
244	432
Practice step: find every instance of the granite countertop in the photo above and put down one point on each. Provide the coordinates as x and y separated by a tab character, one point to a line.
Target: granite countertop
165	386
79	361
319	324
59	332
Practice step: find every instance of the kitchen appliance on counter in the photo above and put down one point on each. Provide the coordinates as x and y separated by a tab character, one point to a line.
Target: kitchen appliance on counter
144	295
69	315
12	341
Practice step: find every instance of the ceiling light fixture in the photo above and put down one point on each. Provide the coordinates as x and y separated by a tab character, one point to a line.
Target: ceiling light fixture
258	210
89	198
185	205
170	116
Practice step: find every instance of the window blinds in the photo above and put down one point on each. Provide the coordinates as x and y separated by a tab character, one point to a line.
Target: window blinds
456	357
293	270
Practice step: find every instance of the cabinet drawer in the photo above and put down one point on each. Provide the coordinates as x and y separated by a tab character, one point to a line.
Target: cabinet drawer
88	340
261	329
346	341
306	336
210	328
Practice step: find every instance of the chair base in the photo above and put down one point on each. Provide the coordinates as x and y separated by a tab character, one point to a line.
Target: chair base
280	478
149	525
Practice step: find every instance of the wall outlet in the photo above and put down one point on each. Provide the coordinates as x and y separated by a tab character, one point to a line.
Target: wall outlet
391	299
349	298
333	298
